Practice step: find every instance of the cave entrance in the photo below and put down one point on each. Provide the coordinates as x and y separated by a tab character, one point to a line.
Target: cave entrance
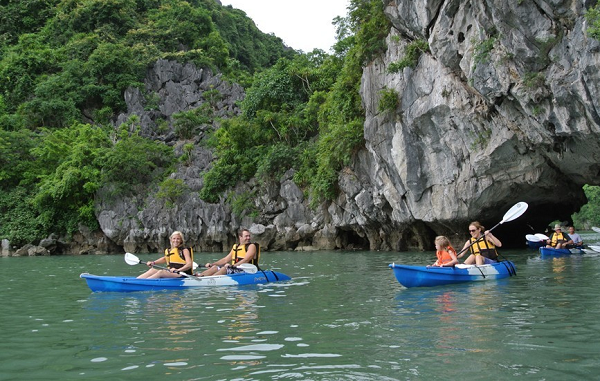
351	240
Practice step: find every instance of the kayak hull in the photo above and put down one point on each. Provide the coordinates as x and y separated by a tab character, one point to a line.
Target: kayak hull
422	276
98	283
552	252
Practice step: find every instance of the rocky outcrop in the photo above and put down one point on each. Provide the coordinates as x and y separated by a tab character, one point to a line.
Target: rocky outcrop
501	108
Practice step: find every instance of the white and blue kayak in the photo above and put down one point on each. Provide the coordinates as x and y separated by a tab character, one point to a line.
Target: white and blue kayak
425	276
126	284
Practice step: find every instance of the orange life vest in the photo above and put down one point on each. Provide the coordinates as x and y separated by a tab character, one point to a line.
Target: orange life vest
444	256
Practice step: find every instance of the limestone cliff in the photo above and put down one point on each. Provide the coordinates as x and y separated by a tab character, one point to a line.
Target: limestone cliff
502	107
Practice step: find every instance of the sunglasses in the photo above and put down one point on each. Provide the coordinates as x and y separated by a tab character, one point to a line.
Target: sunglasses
472	231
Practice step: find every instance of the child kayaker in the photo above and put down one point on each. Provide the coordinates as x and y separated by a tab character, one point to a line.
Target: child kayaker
446	255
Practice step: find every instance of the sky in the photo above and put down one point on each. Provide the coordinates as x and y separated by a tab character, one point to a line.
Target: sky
301	24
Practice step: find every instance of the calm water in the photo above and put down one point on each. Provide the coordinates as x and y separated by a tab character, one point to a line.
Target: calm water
342	317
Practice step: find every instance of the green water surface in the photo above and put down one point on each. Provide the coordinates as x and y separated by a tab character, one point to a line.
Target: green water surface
342	317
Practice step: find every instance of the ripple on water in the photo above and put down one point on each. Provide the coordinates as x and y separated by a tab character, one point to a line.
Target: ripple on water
242	357
254	347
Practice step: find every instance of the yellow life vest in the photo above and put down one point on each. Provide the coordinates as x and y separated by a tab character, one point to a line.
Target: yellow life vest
558	238
239	253
176	259
484	247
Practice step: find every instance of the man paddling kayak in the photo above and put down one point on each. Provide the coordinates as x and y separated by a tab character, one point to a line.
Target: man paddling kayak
244	252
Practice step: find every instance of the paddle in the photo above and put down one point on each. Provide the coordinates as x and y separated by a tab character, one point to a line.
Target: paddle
596	229
131	260
539	237
595	248
513	213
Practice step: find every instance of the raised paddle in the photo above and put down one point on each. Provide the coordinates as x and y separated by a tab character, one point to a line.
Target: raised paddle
532	238
596	229
513	213
538	237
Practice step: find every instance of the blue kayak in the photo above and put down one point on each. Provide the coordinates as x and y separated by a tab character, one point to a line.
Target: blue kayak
423	276
127	284
552	252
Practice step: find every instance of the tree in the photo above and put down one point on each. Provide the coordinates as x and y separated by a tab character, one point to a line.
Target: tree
589	214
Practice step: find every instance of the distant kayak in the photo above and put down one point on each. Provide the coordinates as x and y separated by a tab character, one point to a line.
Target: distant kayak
552	252
422	276
127	284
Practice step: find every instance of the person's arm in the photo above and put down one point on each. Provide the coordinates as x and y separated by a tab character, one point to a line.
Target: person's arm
159	260
226	259
490	237
569	240
454	259
464	249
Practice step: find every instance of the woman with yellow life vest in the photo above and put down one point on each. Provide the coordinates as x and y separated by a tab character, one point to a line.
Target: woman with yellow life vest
558	239
243	252
178	259
446	255
482	245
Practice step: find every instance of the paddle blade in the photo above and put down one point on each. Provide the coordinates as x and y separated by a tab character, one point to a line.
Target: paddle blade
532	238
248	268
542	236
595	248
515	212
596	229
131	259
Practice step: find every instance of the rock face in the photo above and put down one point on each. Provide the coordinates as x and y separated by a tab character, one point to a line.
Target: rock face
502	107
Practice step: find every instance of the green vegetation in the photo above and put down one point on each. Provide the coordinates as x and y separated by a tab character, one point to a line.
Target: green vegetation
480	139
412	53
64	66
303	113
589	214
388	101
483	49
593	18
534	80
170	190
